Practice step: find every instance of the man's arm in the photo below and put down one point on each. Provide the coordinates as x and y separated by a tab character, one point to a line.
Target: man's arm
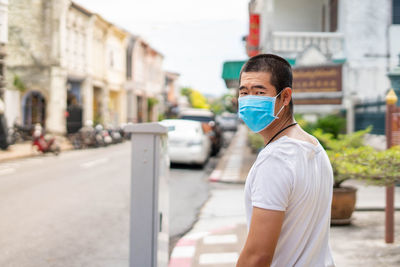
263	236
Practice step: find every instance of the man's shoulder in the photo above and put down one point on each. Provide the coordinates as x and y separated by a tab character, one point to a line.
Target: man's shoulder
283	148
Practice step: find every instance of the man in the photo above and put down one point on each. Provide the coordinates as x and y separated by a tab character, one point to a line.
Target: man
288	190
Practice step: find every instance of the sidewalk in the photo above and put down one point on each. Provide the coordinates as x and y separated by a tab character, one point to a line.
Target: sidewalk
219	235
24	150
236	161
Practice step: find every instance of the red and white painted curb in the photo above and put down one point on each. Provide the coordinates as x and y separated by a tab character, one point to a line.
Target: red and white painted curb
215	176
185	250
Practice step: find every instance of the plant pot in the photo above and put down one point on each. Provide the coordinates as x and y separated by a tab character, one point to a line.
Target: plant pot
343	204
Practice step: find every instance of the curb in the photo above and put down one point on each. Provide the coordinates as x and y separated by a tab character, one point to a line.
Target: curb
215	177
185	249
22	156
374	209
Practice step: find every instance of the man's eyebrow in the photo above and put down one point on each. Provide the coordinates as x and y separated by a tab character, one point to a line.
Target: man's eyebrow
259	87
253	87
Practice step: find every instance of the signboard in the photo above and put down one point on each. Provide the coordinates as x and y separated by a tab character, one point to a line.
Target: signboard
253	39
317	79
396	128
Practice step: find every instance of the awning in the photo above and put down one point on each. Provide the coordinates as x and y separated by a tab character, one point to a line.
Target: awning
230	73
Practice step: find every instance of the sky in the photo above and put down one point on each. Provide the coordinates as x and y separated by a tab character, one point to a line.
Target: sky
195	36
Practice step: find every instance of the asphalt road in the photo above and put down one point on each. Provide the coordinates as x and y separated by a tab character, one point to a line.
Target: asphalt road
73	210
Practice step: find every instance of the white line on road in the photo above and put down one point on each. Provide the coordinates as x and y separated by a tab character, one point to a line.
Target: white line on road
6	171
183	252
220	239
93	163
218	258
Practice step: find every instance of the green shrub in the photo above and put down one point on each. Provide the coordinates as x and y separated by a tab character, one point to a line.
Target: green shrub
332	124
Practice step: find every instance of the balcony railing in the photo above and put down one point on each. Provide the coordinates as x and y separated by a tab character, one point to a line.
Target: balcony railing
330	43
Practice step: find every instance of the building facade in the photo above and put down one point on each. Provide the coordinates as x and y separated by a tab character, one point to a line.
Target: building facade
35	78
68	65
340	50
171	94
3	43
145	81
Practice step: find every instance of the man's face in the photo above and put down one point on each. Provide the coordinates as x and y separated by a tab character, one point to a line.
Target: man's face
256	83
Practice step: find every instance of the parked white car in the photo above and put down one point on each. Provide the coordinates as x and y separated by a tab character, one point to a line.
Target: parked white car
187	142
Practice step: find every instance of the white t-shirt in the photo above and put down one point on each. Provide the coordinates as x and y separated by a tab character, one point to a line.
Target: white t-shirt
296	177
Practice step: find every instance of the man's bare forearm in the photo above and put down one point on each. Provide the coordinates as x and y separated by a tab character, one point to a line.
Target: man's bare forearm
248	259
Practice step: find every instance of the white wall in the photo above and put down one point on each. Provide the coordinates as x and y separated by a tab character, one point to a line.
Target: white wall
394	45
299	15
3	21
75	42
13	106
364	24
288	15
115	60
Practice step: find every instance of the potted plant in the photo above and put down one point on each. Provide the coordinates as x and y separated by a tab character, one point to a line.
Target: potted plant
341	152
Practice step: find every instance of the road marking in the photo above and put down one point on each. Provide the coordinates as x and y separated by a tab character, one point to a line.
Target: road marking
180	262
215	175
183	252
197	235
6	171
218	258
220	239
93	163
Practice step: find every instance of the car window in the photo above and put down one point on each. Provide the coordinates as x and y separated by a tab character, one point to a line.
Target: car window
196	118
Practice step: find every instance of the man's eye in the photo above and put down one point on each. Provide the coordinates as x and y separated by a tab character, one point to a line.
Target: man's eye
260	93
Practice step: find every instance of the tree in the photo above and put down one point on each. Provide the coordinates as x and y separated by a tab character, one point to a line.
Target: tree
196	99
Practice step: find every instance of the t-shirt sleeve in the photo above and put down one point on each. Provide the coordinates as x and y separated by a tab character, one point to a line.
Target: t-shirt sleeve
272	184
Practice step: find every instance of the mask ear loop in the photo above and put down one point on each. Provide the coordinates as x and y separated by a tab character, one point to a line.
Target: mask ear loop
276	116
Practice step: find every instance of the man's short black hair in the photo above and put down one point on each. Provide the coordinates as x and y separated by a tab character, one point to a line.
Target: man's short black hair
278	67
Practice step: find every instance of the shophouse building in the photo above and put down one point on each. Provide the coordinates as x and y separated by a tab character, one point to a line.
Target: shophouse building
145	81
36	80
68	65
3	43
116	46
3	54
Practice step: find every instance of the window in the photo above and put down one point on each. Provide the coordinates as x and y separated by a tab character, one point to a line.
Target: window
396	12
333	15
111	59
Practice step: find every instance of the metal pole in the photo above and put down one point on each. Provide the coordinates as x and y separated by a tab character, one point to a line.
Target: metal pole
391	100
389	215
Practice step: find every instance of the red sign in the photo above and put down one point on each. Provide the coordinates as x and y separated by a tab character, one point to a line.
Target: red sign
253	39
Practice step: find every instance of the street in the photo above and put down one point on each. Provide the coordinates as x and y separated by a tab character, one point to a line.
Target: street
73	210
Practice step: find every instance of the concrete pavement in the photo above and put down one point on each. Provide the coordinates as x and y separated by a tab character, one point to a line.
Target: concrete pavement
219	235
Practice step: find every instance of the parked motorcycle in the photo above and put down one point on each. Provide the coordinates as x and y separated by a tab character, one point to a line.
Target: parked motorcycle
115	134
20	133
103	138
44	144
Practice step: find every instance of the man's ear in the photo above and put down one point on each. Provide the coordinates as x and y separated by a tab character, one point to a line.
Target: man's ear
286	95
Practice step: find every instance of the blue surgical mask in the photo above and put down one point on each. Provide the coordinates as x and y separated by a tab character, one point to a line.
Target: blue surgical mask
258	111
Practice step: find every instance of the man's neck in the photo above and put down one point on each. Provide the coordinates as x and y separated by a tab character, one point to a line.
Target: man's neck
275	127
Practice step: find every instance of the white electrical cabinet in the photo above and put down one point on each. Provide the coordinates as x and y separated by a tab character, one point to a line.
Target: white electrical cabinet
149	235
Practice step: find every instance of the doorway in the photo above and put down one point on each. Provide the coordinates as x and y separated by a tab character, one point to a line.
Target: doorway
34	109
